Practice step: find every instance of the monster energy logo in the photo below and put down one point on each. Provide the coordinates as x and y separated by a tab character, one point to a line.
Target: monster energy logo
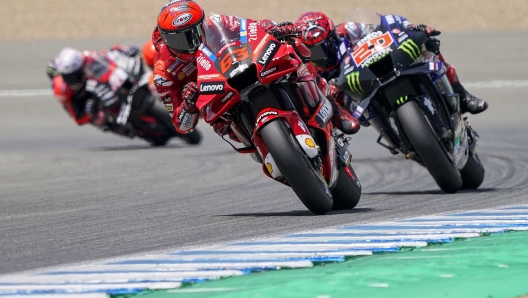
410	48
402	99
353	82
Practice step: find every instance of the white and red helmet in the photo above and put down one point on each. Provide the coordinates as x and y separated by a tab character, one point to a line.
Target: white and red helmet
69	63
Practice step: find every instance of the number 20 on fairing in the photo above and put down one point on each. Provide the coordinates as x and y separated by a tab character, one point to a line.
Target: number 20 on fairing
373	45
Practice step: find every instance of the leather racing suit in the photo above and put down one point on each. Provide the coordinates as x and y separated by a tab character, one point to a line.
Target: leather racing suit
172	74
75	99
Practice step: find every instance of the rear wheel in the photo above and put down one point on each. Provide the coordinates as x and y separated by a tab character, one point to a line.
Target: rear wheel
158	141
307	182
347	191
472	173
425	144
193	138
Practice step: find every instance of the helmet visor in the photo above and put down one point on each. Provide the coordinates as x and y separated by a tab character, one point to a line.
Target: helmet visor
324	54
185	41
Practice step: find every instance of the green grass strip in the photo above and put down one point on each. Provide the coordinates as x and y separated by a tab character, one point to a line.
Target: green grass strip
489	267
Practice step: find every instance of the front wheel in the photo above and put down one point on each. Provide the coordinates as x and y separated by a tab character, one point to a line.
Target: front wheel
347	191
472	173
425	144
306	181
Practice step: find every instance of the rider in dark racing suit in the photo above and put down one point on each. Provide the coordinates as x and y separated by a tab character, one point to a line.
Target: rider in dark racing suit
177	37
322	38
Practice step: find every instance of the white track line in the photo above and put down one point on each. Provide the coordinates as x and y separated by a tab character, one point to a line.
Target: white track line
497	84
492	84
30	92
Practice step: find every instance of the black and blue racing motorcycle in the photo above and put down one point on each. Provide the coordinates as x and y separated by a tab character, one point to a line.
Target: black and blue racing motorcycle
400	89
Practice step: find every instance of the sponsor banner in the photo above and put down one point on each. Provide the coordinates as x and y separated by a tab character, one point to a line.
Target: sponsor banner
212	87
268	53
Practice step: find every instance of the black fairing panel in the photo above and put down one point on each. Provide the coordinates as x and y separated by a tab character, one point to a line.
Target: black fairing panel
405	48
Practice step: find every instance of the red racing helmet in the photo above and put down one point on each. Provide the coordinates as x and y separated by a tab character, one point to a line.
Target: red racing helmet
320	35
180	25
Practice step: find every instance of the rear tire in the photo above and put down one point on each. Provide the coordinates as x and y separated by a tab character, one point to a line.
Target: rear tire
347	192
306	182
158	142
472	173
425	144
192	138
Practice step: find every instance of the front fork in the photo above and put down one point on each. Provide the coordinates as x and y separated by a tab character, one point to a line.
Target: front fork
337	146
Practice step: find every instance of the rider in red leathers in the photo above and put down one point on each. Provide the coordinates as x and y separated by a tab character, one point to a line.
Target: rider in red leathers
69	85
322	38
87	83
178	35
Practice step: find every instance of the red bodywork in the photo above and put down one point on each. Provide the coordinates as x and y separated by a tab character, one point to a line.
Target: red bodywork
273	60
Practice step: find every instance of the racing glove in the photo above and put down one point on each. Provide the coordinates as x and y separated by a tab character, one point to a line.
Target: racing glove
433	45
429	31
190	96
281	28
187	113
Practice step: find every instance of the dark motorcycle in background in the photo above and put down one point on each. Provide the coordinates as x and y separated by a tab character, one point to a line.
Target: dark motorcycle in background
145	124
123	103
259	84
401	90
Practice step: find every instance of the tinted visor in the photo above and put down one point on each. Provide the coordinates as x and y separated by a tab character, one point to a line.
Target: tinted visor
73	78
185	41
324	55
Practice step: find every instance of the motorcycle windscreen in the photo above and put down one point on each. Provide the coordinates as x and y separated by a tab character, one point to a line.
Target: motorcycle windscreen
225	37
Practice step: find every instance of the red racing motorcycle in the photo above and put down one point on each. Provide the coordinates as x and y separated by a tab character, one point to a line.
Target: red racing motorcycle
259	84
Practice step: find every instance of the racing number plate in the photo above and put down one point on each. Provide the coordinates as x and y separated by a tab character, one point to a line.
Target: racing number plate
234	61
376	45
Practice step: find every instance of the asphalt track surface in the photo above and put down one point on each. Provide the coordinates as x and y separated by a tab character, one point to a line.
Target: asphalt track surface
72	194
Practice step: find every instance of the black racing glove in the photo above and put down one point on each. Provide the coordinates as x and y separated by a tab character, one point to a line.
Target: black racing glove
433	45
429	31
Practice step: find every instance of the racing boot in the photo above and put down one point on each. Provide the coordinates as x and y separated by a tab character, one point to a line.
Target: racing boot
469	102
345	122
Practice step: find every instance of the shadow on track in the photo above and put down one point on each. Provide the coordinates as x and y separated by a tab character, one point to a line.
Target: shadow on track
299	213
430	192
136	147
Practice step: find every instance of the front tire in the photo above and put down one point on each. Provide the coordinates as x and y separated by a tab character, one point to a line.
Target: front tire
425	144
347	191
307	183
